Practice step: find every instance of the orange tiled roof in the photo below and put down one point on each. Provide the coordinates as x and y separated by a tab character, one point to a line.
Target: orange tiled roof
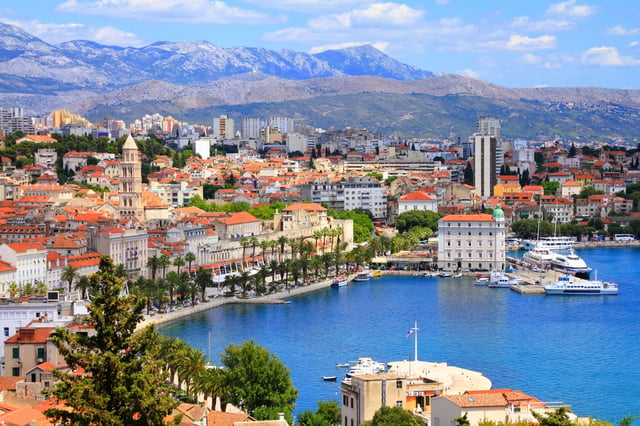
475	217
31	335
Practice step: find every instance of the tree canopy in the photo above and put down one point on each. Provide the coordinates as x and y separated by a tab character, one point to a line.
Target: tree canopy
393	416
423	218
118	379
257	381
327	414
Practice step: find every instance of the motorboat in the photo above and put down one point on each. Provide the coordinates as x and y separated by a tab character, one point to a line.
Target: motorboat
329	378
571	264
362	275
445	274
376	273
342	365
483	279
340	281
500	280
567	285
539	256
366	366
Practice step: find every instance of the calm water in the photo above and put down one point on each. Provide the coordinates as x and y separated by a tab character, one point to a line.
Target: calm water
579	350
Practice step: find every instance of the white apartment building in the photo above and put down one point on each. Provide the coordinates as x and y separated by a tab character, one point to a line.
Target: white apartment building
126	246
417	200
285	124
250	128
223	127
366	193
473	241
29	259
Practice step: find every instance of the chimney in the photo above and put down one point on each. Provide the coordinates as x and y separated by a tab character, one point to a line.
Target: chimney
281	416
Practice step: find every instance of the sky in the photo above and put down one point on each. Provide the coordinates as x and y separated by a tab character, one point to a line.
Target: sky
515	43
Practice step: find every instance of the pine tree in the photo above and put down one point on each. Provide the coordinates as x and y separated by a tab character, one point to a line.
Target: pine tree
116	377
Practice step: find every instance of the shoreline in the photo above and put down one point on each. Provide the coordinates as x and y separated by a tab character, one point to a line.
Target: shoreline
268	299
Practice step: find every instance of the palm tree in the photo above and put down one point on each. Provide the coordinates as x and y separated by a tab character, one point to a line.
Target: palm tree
178	262
121	271
190	258
209	384
173	281
230	281
69	273
254	242
83	285
163	263
282	241
315	263
189	367
244	242
153	263
245	283
317	235
202	281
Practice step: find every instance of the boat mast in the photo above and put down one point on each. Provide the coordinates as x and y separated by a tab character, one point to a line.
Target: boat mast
415	341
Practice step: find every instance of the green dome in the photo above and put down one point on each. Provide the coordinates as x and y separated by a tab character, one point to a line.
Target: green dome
497	212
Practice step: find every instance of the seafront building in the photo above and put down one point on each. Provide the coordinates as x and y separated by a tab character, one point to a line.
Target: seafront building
472	241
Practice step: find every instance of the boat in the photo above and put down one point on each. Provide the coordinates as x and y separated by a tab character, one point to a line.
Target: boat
539	256
329	378
376	273
458	275
500	280
567	285
366	366
340	281
342	365
571	264
483	280
550	243
362	275
445	274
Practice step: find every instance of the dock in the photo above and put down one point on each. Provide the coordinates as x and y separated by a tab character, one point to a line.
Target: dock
535	281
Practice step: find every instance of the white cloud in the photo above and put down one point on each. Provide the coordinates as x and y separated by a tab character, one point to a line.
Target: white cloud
470	73
381	46
530	59
634	44
377	14
185	11
525	23
57	33
571	9
607	56
308	6
619	30
520	42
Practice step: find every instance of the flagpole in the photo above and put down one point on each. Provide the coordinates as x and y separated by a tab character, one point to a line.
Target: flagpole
415	341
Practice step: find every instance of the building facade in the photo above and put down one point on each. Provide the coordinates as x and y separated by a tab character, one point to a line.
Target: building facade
130	193
472	241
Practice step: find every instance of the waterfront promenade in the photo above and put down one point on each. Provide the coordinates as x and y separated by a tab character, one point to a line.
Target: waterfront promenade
273	298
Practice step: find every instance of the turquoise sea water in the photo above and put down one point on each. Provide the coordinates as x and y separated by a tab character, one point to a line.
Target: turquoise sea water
582	350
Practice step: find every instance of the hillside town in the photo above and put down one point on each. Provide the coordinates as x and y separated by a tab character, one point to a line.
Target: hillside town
59	212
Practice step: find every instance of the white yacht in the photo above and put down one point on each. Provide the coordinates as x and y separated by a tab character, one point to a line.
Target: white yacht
366	366
550	243
567	285
539	256
570	263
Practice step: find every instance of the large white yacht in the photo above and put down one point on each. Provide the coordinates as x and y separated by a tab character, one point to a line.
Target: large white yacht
551	243
570	263
539	256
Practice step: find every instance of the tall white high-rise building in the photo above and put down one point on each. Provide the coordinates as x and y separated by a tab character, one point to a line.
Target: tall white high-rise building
250	127
223	127
487	155
285	124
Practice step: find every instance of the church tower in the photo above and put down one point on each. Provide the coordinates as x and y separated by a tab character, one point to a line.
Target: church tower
130	183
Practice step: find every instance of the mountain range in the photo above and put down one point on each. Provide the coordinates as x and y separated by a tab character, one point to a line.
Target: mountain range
359	86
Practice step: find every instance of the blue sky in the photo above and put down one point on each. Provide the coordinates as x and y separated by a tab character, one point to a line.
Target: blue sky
513	43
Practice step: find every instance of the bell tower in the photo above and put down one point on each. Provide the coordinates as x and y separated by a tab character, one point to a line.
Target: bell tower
130	183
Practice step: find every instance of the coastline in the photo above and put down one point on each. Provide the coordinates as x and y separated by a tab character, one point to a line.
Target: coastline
273	298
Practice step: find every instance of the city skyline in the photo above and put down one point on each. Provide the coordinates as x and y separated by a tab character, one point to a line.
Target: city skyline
556	44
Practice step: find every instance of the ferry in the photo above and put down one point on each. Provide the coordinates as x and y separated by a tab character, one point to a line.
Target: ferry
567	285
340	281
550	243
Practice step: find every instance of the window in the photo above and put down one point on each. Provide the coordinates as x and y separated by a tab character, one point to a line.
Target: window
345	400
351	402
15	371
346	423
398	403
6	332
15	353
399	384
40	353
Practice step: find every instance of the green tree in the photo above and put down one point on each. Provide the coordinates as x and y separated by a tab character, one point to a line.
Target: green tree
462	420
123	382
69	274
327	414
560	417
423	218
550	188
468	175
393	416
202	281
256	379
